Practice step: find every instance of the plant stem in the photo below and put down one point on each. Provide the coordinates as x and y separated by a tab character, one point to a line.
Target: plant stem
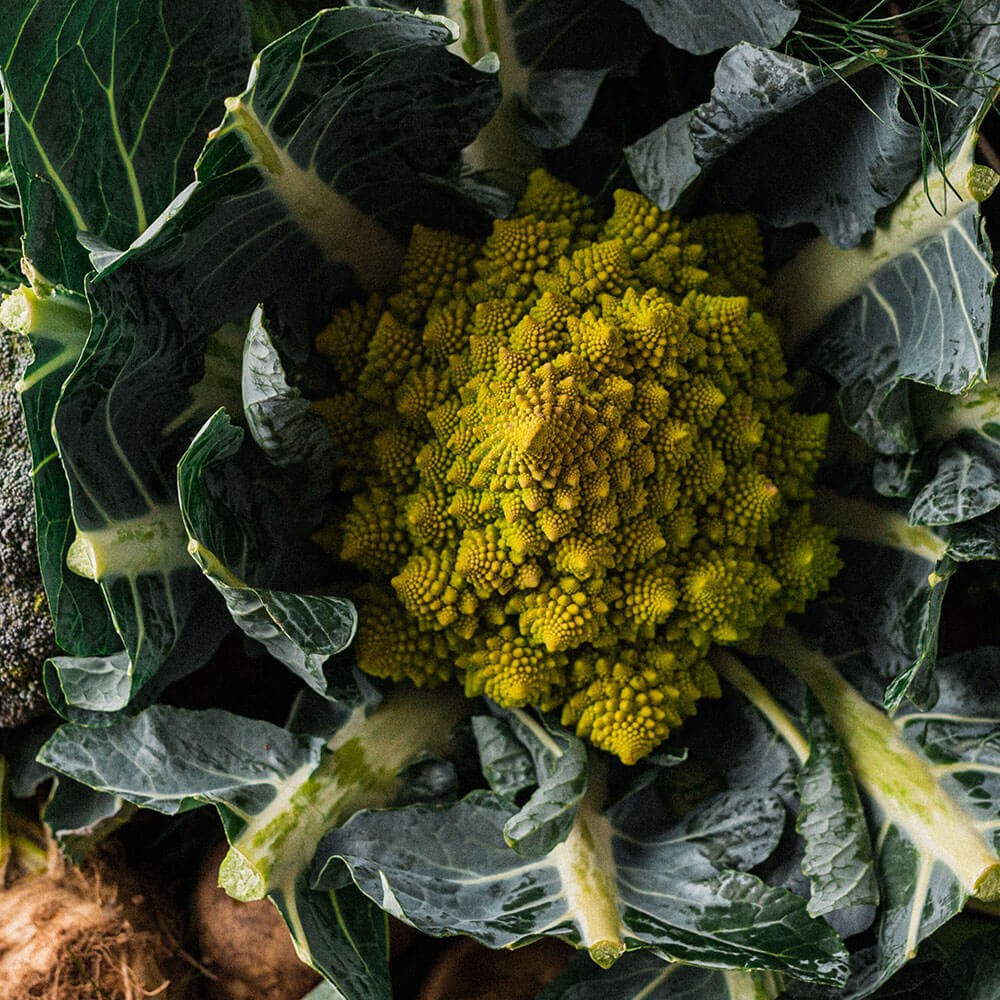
862	521
730	668
360	769
586	860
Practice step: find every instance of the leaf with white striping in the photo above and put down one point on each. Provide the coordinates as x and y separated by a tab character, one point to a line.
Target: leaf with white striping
911	305
628	878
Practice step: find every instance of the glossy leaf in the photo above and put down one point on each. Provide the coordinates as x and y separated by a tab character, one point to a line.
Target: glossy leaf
952	478
887	600
604	888
838	848
228	537
140	80
964	484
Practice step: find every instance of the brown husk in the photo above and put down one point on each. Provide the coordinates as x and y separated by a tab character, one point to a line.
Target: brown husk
93	932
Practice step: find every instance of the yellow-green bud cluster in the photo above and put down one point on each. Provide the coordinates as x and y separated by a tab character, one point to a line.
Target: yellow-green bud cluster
572	464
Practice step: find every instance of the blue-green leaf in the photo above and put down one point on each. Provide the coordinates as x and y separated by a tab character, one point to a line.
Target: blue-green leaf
170	759
838	849
625	879
503	758
965	483
912	305
887	601
773	116
922	316
90	683
79	818
952	478
929	780
703	27
228	536
560	765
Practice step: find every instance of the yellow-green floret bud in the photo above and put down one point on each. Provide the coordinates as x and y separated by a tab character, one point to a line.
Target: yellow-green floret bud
572	463
514	671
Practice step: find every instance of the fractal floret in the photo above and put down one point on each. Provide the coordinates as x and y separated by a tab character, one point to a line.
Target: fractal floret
571	463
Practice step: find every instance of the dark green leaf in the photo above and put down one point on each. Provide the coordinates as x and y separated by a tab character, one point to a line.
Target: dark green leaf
279	419
965	484
912	305
552	59
138	81
229	536
342	935
772	116
703	27
642	976
57	324
614	879
838	850
886	602
970	972
121	423
79	818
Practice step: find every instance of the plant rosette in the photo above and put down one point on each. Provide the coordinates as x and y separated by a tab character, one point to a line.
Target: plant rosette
354	378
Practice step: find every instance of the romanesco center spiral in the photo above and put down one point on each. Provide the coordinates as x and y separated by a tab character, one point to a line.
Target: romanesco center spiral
572	465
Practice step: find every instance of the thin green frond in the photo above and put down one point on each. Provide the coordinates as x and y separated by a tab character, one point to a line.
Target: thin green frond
925	47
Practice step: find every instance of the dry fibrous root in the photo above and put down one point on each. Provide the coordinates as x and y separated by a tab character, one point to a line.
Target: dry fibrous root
91	932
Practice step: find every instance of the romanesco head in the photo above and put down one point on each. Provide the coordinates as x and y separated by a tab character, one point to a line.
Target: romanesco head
580	468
